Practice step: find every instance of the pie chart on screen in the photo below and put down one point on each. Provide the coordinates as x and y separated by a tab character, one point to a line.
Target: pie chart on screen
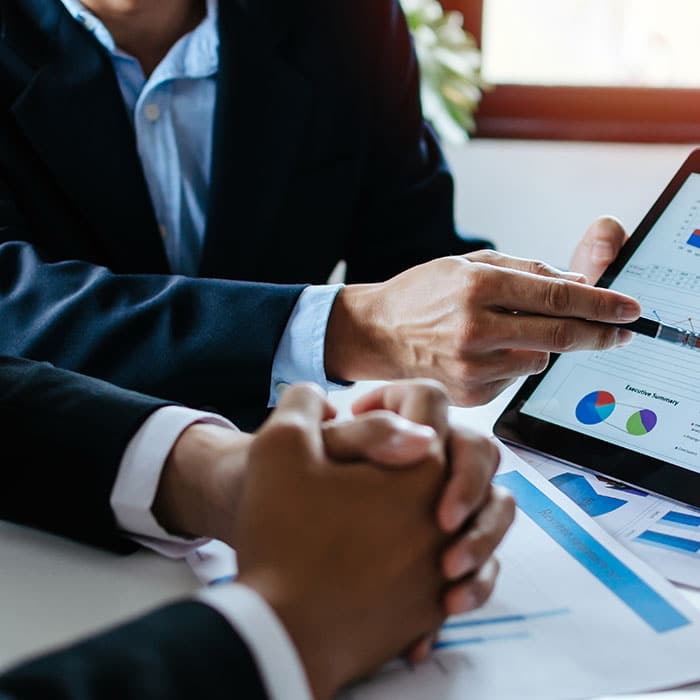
595	407
641	422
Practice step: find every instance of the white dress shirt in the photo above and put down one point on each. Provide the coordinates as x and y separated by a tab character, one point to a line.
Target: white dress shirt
172	112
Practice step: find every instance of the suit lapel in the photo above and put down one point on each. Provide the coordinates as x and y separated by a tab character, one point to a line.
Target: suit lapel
73	114
263	105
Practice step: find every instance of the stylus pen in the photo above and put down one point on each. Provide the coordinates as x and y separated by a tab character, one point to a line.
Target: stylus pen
671	334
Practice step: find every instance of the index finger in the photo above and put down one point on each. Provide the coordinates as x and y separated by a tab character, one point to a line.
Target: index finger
473	460
421	401
521	291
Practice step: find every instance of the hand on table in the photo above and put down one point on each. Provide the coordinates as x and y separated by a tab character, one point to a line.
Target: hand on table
478	322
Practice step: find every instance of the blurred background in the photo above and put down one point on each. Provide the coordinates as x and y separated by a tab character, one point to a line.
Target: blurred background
588	107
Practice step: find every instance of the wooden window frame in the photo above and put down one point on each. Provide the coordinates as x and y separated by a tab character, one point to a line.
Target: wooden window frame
642	115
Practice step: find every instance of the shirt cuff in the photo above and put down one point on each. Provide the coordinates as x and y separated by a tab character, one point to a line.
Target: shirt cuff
276	656
139	475
300	353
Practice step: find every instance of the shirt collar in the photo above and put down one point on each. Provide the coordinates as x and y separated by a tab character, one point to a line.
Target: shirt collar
200	56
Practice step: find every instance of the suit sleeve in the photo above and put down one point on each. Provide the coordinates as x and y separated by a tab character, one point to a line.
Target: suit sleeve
406	212
202	342
183	651
63	438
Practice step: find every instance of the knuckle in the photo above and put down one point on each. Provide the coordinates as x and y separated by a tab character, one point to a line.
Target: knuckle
380	426
600	305
562	337
485	256
477	281
537	267
472	333
305	391
557	296
290	432
607	338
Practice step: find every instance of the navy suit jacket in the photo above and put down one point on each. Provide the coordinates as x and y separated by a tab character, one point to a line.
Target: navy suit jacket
63	436
320	154
180	652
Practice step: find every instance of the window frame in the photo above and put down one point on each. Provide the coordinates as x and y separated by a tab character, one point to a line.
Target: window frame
642	115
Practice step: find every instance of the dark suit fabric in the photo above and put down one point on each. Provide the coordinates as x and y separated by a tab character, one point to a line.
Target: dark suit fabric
180	652
320	154
63	437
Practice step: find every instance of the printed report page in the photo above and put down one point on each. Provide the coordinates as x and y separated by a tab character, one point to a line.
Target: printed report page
646	396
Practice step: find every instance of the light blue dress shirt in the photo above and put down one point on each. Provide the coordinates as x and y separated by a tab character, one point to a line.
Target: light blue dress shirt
172	113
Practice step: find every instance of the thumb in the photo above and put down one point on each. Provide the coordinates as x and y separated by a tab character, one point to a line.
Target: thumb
380	436
599	246
303	408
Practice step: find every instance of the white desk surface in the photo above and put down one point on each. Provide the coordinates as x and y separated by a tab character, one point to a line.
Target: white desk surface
54	591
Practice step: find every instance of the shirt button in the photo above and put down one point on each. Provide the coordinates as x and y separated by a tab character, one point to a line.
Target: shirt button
281	387
163	231
152	112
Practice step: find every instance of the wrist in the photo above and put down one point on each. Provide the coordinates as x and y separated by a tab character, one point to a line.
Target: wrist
298	616
357	339
200	481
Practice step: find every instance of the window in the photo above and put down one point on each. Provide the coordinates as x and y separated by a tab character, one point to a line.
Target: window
623	70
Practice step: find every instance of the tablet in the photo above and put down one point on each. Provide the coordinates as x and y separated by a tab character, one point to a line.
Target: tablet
632	413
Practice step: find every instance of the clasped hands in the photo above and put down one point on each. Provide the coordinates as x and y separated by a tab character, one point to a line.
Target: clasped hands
362	535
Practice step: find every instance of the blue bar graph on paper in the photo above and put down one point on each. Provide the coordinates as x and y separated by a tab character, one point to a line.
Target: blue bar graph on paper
468	641
675	544
456	623
676	519
614	574
577	488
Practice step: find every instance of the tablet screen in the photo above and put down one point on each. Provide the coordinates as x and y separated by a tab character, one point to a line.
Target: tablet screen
644	397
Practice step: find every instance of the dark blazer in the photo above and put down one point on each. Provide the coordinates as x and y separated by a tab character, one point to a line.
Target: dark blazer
63	437
321	154
180	652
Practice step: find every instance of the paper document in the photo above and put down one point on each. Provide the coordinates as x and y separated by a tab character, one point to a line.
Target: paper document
213	563
663	533
574	615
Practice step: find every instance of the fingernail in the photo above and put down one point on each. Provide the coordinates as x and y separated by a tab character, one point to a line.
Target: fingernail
627	312
624	337
602	252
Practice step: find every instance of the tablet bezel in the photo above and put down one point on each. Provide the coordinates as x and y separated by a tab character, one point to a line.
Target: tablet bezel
655	475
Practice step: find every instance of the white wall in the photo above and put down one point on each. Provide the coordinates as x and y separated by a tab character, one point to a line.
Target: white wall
536	198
